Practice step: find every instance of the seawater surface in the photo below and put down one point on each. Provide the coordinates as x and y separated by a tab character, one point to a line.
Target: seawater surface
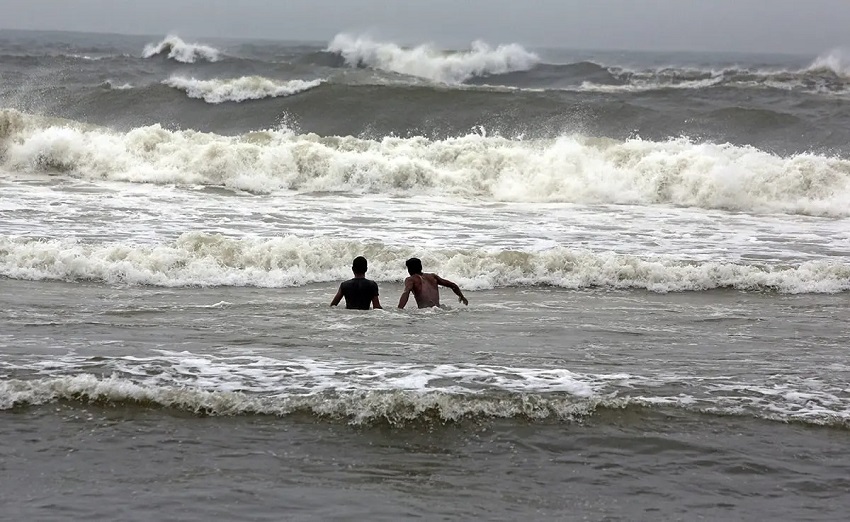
654	247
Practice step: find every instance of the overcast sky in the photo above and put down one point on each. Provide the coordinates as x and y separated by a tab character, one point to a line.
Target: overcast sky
783	26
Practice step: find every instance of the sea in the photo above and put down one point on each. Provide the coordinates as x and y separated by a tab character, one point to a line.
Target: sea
655	248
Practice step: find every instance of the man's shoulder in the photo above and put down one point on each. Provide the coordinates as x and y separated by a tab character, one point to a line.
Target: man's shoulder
349	283
359	281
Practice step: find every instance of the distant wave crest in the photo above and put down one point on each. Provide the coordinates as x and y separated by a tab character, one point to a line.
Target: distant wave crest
239	89
176	49
427	62
829	74
836	61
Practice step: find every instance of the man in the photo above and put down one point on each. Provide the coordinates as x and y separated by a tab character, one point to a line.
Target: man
424	286
359	292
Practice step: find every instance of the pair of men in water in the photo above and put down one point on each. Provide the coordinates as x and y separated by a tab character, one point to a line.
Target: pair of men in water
360	293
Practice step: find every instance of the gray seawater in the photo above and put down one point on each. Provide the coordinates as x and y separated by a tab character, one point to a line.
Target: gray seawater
654	246
102	449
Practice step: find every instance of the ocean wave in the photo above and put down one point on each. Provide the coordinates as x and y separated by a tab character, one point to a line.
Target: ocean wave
647	86
201	259
239	89
427	62
836	61
571	169
399	407
545	76
828	74
176	49
396	407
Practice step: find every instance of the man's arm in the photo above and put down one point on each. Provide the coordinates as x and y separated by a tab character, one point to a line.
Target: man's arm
338	297
376	303
408	286
453	286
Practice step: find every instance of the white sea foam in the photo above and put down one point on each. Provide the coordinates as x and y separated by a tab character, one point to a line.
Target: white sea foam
572	169
239	89
109	84
427	62
176	49
198	259
398	393
649	85
358	407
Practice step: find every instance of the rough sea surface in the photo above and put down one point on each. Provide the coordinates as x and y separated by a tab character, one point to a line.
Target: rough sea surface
654	247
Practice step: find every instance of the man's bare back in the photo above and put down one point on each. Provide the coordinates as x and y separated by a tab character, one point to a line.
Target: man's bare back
425	291
425	288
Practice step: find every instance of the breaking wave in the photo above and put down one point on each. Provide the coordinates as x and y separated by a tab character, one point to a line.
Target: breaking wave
174	48
201	259
836	61
572	169
239	89
828	74
430	63
365	393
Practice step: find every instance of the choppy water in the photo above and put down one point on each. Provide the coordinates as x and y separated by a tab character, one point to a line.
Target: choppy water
654	248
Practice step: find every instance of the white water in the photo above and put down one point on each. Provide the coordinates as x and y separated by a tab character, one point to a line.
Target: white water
239	89
425	61
176	49
571	169
399	392
211	260
836	61
150	207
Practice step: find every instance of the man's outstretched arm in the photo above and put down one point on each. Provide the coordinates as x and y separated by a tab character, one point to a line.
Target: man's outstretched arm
337	298
453	286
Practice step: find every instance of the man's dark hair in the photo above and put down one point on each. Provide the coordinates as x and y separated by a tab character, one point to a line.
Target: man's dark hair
359	265
414	266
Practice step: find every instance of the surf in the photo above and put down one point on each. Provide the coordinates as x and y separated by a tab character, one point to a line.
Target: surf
400	394
202	259
426	61
570	169
175	48
239	89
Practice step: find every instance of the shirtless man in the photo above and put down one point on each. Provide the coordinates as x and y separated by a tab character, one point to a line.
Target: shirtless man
359	292
424	287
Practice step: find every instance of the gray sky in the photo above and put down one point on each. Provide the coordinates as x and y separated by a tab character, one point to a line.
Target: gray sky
792	26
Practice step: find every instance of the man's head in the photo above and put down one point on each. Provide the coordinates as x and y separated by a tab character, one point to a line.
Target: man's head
414	266
359	265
